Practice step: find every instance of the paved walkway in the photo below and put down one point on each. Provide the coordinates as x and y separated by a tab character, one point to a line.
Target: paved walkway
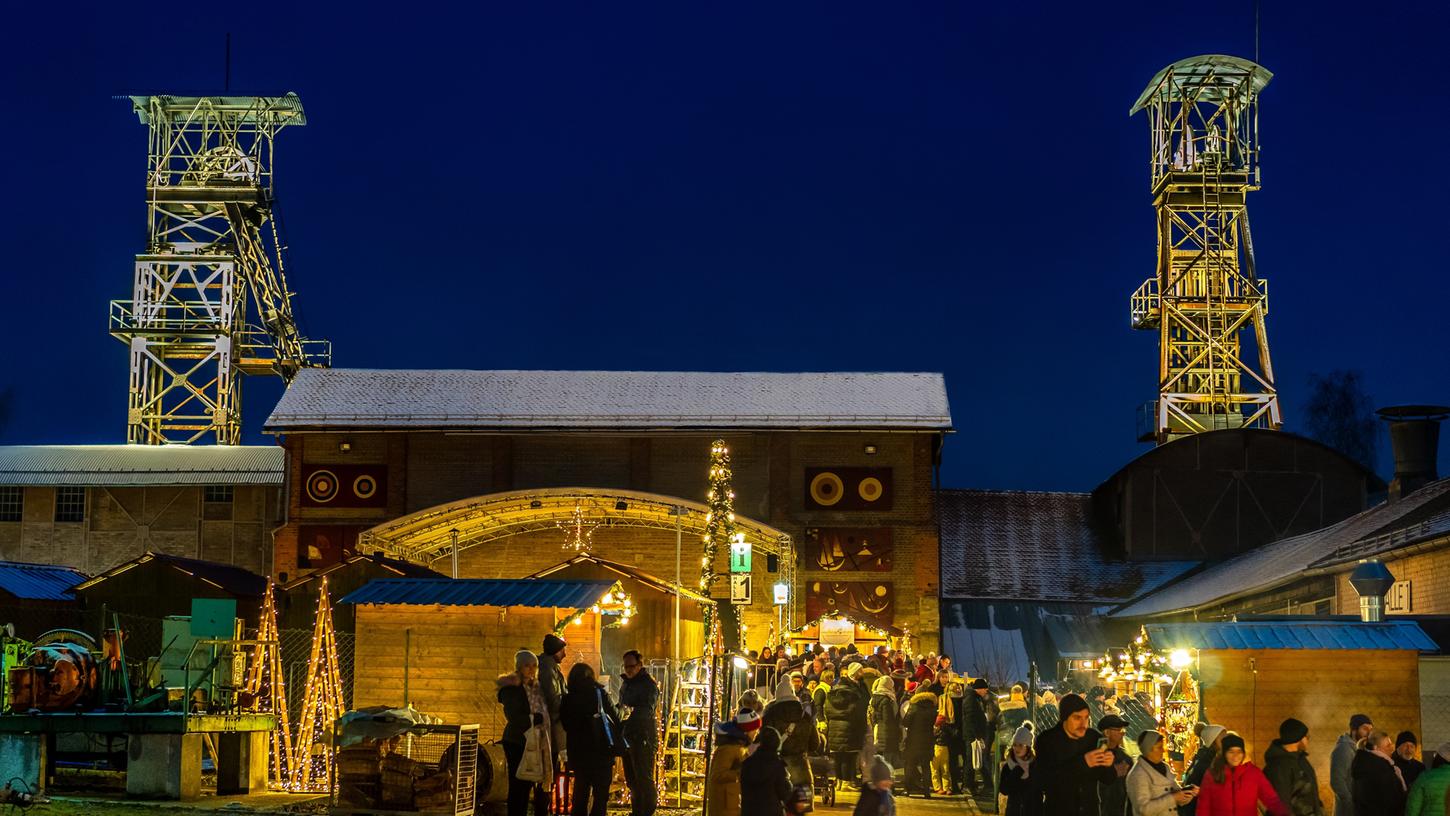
908	806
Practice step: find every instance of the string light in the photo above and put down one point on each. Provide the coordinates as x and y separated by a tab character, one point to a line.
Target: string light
265	685
578	532
719	530
321	705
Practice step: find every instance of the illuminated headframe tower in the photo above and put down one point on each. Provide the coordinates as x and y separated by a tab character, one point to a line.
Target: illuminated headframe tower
1206	293
213	257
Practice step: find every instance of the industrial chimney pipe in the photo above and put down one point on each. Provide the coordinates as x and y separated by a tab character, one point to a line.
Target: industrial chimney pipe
1371	579
1415	440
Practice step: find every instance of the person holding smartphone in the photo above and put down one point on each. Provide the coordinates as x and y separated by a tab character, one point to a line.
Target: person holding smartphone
1072	761
1152	788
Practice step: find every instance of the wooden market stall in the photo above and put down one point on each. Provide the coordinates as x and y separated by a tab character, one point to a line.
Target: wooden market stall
1252	675
844	628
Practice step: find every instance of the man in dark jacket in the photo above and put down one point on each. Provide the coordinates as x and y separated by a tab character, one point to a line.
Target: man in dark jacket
1405	747
1113	797
1071	763
764	784
1287	766
640	695
551	685
846	725
974	728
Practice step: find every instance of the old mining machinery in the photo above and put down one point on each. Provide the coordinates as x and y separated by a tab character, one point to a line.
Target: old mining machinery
1206	293
209	299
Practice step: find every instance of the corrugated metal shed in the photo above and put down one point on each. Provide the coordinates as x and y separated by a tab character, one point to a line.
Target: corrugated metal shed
330	398
1310	634
38	582
140	465
480	592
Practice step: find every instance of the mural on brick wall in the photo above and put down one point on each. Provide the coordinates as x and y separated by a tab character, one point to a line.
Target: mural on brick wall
345	486
873	600
848	488
849	549
322	545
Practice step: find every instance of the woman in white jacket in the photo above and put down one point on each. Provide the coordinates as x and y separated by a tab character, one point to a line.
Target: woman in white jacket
1152	789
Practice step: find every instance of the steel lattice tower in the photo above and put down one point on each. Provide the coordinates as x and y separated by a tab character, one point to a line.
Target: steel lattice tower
213	256
1206	293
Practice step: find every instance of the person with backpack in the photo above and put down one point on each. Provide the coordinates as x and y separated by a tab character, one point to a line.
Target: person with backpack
764	785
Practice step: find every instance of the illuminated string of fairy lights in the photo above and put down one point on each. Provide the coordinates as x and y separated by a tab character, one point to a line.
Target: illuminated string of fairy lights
321	705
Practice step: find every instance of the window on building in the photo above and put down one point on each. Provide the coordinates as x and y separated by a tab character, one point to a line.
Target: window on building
12	502
70	504
218	494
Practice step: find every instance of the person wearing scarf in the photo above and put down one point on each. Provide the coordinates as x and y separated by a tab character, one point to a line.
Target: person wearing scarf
1375	782
1152	788
884	717
1016	782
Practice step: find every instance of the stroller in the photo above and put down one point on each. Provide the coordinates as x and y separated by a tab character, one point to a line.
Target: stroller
823	778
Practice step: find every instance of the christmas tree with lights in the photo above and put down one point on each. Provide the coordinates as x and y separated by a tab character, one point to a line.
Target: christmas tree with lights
719	532
321	705
268	692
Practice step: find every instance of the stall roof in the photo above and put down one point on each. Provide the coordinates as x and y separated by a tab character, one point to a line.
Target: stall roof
334	398
141	465
624	571
479	592
39	582
1281	634
234	580
404	569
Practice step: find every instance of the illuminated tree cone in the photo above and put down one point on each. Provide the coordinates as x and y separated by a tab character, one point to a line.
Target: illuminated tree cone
321	705
719	530
268	691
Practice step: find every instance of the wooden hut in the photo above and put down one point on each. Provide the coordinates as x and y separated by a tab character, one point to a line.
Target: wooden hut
651	628
1252	675
439	644
297	599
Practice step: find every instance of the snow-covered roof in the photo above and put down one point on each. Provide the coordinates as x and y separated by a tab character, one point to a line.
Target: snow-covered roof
1382	528
135	465
329	399
1032	546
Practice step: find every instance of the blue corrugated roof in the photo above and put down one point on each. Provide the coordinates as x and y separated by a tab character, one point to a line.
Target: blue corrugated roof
479	592
1309	634
38	582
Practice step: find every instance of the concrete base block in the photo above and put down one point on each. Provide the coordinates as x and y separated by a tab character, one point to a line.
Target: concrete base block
23	756
241	762
164	766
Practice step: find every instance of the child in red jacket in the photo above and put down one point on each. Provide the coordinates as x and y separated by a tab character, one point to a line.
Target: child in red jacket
1234	787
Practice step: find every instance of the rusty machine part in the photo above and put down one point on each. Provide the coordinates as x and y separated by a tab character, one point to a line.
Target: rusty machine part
57	677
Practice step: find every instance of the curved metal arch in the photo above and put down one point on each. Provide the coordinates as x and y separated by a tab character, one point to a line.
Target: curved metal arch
427	535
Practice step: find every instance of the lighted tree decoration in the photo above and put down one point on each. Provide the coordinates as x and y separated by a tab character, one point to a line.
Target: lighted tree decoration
321	705
719	530
267	690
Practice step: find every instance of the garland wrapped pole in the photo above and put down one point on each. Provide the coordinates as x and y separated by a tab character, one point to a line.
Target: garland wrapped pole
321	705
719	531
268	691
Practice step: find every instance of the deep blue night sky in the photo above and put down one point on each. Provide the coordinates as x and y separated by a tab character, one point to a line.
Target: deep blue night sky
784	186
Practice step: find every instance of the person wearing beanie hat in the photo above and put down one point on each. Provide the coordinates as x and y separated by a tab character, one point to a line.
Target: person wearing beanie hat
1340	760
1428	795
1015	780
975	729
1113	797
523	709
722	780
876	799
1287	766
1234	786
551	684
1152	788
1208	737
1071	762
1410	766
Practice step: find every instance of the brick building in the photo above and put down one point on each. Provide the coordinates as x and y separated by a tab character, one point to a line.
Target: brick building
92	507
833	471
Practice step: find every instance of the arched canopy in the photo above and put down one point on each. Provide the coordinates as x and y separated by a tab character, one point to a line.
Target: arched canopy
427	535
1208	78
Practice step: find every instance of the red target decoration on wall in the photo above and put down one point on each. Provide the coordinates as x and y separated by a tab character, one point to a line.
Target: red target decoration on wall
848	488
344	486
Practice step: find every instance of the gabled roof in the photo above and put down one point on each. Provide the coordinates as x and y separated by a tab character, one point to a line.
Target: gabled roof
1285	634
333	398
232	580
138	465
39	582
1424	513
403	569
624	571
480	592
1018	545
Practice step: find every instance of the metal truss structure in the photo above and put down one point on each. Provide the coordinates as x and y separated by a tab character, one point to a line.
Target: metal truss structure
209	300
1206	293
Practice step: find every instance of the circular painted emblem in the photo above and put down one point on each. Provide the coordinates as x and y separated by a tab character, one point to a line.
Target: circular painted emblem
364	487
870	489
826	489
322	486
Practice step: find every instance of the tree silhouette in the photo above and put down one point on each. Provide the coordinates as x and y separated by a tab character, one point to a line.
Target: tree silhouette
1340	414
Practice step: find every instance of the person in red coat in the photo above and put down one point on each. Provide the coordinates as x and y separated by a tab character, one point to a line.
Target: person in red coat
1233	786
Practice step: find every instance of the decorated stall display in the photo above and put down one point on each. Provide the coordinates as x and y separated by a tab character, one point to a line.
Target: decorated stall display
1164	678
614	609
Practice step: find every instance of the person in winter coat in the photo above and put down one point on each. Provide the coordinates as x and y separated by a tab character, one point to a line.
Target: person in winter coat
1287	766
1113	797
639	694
732	742
551	685
1070	762
818	694
846	725
876	799
943	733
919	723
1375	783
1427	797
1016	782
975	729
1152	790
1405	747
1233	786
1340	761
523	708
589	754
884	717
793	719
764	786
1208	747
